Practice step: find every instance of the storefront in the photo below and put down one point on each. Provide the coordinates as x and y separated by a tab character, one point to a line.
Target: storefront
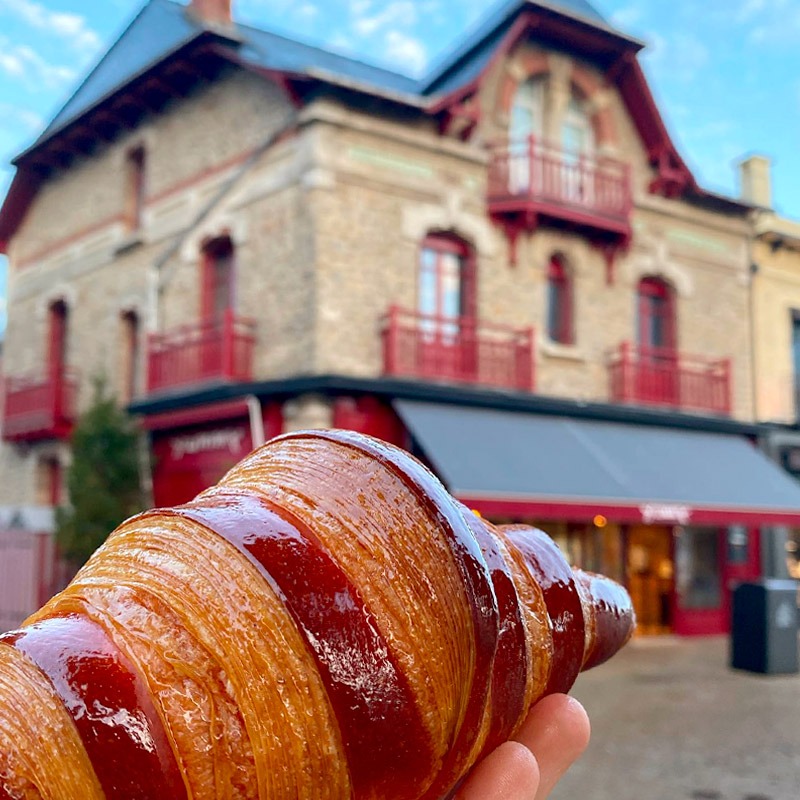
676	515
193	449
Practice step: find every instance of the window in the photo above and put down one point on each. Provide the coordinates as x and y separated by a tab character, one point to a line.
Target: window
577	133
697	560
796	359
129	365
218	278
527	110
656	324
57	340
559	302
446	288
49	481
526	127
135	191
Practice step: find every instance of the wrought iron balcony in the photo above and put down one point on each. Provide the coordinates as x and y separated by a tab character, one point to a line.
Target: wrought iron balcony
39	408
459	350
531	182
219	350
664	377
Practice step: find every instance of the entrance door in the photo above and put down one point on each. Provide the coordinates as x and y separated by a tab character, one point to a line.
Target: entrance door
650	577
657	375
700	591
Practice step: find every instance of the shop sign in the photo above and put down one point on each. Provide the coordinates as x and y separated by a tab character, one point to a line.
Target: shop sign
653	513
229	439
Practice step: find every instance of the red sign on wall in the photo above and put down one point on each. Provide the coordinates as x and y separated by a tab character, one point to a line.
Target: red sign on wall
190	460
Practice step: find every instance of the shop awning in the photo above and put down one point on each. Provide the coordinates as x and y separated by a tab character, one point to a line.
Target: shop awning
506	463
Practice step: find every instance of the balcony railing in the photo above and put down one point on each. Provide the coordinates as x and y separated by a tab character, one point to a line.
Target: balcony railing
529	176
39	408
459	350
665	377
207	352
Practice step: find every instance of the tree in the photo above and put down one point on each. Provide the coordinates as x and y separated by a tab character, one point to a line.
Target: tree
103	480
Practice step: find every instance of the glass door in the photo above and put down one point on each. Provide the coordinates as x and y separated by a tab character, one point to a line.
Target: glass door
525	133
657	378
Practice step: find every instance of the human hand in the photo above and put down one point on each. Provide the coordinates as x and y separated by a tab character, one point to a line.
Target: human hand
552	738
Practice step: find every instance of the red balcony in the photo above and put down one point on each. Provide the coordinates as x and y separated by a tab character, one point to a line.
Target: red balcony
531	182
660	377
460	350
208	352
39	408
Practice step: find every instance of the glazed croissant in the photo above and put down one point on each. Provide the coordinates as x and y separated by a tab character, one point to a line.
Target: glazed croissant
326	623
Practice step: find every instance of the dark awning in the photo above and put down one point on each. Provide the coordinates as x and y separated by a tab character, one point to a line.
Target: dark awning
506	463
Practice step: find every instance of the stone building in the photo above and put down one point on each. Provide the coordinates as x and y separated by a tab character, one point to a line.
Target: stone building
505	266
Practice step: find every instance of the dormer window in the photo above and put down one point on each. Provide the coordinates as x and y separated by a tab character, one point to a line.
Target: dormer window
135	189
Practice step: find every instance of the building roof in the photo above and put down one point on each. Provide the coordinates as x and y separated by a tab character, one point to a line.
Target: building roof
162	27
163	30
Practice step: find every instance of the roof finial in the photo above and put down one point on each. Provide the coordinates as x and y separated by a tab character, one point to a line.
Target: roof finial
216	12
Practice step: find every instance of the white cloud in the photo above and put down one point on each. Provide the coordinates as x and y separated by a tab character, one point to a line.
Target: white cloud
71	27
307	11
13	117
406	51
400	12
627	16
682	56
21	61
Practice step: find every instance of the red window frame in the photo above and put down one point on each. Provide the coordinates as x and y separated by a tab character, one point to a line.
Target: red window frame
442	244
560	327
217	251
656	299
132	354
135	199
57	339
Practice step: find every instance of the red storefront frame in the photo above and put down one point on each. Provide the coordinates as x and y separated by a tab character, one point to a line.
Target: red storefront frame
684	621
194	448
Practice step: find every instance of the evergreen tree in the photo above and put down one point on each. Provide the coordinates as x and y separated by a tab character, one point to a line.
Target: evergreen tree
103	480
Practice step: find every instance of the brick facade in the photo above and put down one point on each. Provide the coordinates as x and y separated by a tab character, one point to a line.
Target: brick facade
327	226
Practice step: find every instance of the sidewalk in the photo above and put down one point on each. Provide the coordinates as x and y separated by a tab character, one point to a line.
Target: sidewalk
670	721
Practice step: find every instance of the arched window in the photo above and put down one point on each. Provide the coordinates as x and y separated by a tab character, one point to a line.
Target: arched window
559	302
656	313
218	278
446	284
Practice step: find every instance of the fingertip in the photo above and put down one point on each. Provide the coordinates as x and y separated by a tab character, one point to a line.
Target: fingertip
509	773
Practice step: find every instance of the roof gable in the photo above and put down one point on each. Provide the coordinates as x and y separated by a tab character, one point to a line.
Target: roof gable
157	30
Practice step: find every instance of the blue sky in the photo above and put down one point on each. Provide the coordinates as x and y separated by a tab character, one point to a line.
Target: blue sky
726	73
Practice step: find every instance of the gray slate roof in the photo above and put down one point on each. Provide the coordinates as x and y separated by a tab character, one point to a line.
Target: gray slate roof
163	26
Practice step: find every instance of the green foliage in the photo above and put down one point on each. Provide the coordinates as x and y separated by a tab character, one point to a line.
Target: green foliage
103	480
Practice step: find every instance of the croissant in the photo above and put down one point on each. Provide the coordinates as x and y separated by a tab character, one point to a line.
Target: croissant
327	623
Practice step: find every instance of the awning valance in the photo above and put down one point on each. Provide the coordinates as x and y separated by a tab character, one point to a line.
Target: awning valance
509	463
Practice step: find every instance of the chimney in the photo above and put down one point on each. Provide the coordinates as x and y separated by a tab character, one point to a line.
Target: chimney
755	174
214	12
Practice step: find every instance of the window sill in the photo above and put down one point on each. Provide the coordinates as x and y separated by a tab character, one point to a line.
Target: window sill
567	352
131	241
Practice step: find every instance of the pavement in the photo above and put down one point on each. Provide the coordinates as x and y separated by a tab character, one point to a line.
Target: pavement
671	721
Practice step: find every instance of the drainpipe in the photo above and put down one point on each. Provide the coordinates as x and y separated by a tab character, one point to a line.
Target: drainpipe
256	420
